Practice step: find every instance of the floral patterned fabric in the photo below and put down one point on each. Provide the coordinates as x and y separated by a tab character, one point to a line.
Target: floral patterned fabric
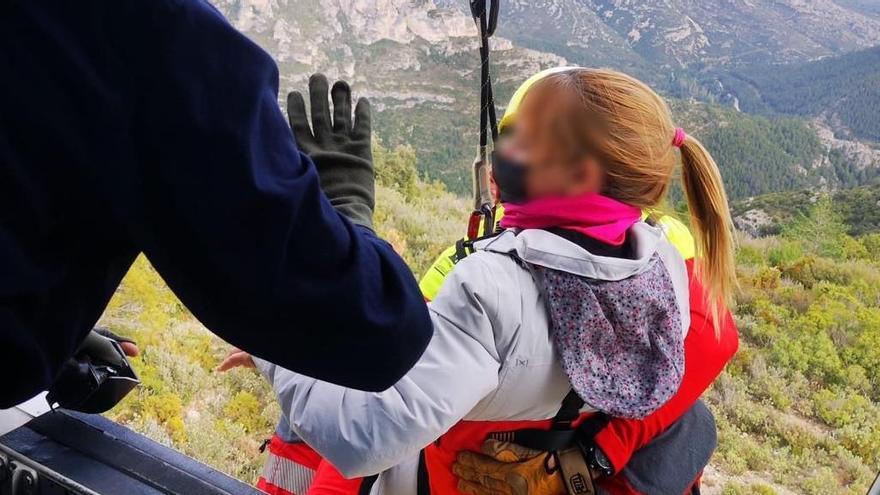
620	342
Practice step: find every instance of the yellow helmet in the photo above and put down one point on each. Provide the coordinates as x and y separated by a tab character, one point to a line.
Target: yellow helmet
520	93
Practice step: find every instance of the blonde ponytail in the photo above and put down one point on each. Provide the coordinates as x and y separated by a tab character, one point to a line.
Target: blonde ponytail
711	222
629	128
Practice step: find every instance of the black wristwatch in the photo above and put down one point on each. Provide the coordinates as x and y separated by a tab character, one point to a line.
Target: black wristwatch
597	460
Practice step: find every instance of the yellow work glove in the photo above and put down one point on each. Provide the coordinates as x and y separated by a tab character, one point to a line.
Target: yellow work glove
506	468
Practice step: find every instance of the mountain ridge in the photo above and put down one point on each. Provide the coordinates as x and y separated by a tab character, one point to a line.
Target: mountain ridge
417	60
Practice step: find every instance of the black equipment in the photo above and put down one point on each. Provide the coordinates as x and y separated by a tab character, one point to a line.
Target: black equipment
96	378
485	14
69	453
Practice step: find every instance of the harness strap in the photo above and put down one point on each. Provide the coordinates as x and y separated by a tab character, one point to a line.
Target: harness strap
423	482
367	484
561	434
568	412
575	472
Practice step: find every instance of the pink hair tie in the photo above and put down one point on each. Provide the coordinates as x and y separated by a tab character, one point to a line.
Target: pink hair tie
679	137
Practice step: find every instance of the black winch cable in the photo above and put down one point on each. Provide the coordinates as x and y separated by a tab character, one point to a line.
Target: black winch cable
486	21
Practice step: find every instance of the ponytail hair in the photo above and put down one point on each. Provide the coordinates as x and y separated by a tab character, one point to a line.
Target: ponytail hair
711	223
629	128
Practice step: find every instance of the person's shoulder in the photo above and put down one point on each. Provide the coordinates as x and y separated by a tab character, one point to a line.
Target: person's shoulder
497	262
489	276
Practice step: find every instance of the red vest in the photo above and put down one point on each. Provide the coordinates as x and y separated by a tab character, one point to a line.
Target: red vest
469	435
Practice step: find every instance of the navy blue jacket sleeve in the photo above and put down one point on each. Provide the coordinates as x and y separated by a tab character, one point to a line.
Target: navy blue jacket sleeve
231	214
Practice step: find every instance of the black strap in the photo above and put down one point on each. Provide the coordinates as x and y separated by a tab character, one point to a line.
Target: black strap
561	435
367	484
568	412
265	444
465	247
423	482
592	425
486	22
546	440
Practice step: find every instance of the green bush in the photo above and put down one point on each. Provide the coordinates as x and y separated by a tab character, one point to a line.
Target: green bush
785	253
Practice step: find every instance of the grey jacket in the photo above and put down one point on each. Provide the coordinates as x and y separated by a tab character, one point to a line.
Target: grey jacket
491	357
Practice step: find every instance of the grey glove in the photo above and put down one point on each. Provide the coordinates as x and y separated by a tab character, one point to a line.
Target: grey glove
341	151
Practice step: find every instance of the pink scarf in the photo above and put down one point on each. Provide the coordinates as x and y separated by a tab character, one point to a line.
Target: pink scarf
594	215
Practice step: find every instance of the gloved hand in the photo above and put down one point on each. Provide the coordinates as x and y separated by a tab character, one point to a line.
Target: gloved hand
341	151
508	469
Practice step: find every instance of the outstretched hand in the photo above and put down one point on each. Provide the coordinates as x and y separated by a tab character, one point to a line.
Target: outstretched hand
340	147
236	359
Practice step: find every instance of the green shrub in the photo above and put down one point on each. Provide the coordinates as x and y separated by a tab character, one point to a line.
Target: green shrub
785	253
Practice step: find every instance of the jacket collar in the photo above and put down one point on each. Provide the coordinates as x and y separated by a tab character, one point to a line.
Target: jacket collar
539	247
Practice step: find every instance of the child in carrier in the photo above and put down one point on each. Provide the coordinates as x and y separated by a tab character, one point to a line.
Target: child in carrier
577	301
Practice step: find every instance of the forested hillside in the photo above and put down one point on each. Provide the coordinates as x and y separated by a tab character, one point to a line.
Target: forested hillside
418	62
768	214
797	409
844	90
756	154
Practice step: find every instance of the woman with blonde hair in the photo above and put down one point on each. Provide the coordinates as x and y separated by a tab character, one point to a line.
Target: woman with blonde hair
578	302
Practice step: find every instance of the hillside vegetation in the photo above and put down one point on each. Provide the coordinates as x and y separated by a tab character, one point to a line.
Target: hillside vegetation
797	409
418	63
858	208
757	154
845	90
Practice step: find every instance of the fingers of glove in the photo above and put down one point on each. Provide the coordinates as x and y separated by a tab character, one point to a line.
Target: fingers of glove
341	94
492	479
319	98
296	115
466	472
470	459
479	463
362	117
472	488
507	451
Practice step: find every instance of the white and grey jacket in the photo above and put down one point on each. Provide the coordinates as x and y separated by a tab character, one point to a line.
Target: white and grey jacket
491	357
